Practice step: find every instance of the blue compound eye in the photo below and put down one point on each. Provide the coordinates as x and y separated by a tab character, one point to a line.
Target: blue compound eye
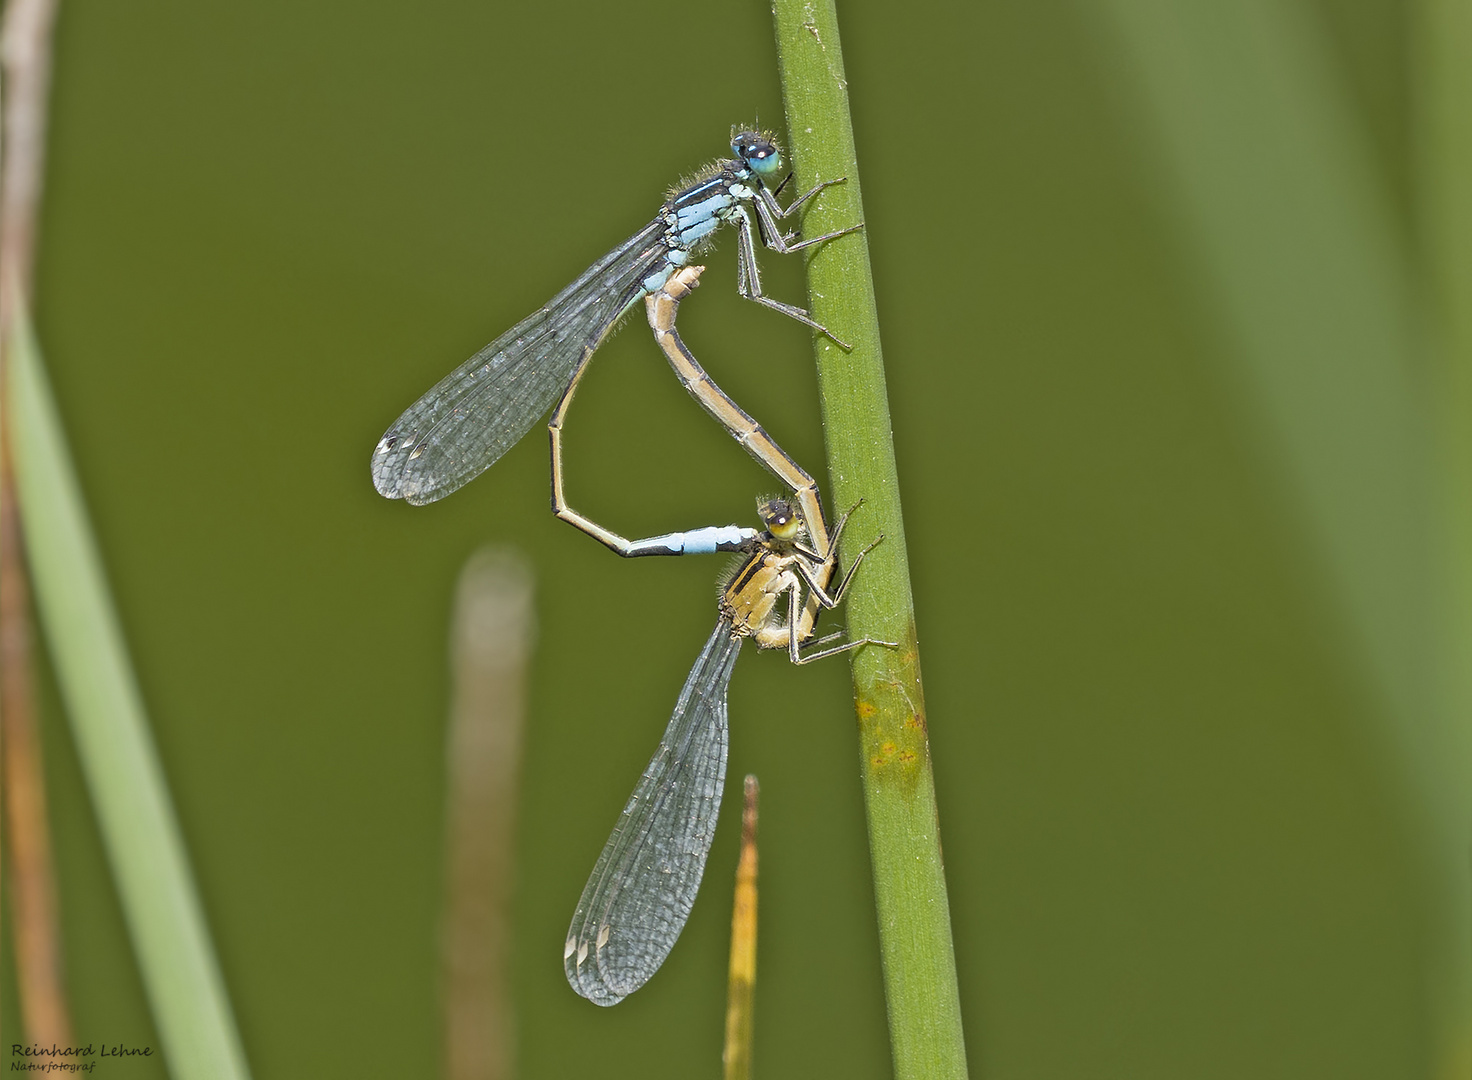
760	153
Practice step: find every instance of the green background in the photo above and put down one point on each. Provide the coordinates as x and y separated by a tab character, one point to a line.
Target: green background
1174	845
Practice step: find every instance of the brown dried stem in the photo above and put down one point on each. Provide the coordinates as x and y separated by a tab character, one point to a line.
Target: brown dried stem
25	53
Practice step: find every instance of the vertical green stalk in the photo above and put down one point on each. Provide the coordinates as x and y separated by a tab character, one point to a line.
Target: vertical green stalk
1443	63
124	779
899	790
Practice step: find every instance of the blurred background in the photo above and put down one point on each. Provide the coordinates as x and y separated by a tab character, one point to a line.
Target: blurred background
1158	304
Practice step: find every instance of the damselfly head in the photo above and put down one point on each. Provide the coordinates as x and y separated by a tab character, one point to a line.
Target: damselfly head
781	518
760	152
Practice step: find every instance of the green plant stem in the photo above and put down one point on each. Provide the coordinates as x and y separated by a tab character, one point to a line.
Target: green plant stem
899	790
111	733
1443	63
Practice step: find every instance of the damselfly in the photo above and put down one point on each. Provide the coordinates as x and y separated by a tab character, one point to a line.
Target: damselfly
644	883
481	409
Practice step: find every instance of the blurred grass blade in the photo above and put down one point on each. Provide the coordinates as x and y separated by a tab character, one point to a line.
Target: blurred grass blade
1443	66
910	895
492	632
1272	184
1272	188
124	779
741	982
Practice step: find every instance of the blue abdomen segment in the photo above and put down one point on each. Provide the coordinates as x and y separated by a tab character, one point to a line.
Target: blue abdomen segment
655	281
705	541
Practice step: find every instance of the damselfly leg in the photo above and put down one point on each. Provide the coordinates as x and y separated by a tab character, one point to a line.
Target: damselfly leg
748	273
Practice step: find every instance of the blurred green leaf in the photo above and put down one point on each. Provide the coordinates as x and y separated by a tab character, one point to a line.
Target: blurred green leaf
1267	174
124	779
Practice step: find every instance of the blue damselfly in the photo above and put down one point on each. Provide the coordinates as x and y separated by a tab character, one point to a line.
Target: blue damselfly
482	408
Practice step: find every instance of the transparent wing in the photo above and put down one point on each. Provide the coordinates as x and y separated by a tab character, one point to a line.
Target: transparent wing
481	409
640	893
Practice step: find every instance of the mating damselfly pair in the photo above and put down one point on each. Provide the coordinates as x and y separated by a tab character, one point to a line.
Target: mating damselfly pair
639	895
